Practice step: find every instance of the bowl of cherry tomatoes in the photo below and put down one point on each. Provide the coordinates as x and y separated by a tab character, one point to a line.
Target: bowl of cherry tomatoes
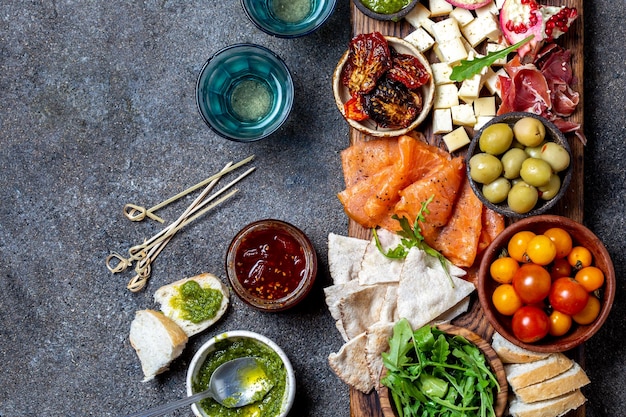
546	283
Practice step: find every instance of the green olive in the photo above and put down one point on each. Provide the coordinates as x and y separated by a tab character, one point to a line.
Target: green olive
556	155
529	131
534	151
512	162
535	172
484	168
497	191
551	189
496	138
522	197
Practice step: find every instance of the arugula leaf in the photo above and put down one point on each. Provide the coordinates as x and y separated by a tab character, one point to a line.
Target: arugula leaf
412	237
467	69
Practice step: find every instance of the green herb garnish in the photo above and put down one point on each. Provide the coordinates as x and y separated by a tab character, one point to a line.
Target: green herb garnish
431	373
467	69
412	237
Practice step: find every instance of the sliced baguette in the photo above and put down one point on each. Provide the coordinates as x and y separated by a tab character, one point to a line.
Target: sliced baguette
157	340
166	293
520	375
570	380
554	407
511	353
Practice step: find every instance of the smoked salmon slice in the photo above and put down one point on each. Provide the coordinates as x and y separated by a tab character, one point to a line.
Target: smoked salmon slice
458	240
367	158
493	225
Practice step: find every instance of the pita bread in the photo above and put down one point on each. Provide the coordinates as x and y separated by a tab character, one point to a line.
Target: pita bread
361	309
334	293
344	257
377	342
424	293
349	363
460	308
376	268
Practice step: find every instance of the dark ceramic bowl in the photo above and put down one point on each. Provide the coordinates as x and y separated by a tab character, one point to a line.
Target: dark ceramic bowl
386	403
553	134
385	16
580	236
271	265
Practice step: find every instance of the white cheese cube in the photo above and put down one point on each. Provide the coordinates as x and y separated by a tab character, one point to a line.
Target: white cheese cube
442	121
470	88
495	47
451	51
420	39
485	106
446	96
462	16
456	139
441	72
481	121
463	115
488	8
481	28
439	8
417	15
491	80
446	30
427	24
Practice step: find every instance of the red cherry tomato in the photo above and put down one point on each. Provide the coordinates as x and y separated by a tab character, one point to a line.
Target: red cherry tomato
568	296
530	324
532	283
560	268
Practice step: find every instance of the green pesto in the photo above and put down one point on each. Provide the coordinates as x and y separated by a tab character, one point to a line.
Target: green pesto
385	6
226	350
196	303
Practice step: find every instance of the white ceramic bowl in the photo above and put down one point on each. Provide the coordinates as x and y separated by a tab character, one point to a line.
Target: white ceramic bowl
369	127
210	346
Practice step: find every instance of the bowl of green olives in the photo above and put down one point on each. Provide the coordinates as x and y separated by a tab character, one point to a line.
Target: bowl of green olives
519	164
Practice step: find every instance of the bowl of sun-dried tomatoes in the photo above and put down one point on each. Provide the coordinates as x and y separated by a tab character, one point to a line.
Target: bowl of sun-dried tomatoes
383	85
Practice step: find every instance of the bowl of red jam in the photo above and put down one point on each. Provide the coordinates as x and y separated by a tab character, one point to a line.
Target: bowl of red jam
271	265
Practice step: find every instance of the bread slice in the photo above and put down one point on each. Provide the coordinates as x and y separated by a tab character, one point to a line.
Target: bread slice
554	407
511	353
520	375
570	380
166	293
157	340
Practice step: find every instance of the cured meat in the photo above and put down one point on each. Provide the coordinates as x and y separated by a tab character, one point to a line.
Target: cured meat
527	91
364	159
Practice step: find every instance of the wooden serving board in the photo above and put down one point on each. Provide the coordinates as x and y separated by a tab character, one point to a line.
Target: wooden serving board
362	405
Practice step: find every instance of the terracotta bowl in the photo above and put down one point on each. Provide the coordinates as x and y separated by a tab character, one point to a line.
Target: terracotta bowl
553	134
342	95
385	16
580	236
386	403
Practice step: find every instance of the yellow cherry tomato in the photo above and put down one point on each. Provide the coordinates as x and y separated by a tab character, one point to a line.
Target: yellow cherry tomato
590	312
590	277
503	269
506	300
562	240
518	243
579	257
541	250
560	323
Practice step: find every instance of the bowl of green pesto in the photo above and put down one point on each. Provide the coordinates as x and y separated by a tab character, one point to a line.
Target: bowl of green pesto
385	9
236	344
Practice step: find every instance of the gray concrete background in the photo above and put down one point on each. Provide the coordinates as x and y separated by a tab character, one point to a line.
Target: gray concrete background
97	110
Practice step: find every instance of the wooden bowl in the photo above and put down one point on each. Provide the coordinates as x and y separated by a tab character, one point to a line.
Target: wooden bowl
494	361
385	16
369	127
581	236
553	134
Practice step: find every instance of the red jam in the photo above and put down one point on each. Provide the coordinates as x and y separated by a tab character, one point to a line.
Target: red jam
270	264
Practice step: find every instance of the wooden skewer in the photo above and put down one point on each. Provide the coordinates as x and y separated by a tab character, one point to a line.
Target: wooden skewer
137	213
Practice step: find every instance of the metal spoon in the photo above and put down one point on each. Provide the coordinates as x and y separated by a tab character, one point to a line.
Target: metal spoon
233	384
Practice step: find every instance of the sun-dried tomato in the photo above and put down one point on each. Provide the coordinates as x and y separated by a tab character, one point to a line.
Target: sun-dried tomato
391	104
354	108
368	59
408	70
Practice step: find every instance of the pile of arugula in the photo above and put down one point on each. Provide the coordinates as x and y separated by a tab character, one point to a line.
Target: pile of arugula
431	373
